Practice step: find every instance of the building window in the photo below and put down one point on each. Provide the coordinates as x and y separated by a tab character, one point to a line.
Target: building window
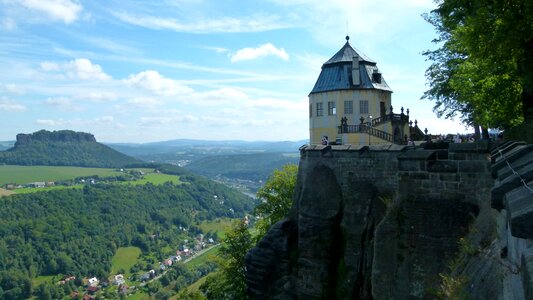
319	109
363	107
332	110
310	110
348	107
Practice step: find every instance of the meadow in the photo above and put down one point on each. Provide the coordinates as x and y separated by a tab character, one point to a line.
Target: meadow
11	174
124	259
27	174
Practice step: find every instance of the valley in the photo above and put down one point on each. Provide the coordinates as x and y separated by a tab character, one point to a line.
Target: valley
132	228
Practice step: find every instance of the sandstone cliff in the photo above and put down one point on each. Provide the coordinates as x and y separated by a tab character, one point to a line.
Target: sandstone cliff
389	223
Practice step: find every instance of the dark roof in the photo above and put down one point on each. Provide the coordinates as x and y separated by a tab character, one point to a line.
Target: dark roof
345	55
336	73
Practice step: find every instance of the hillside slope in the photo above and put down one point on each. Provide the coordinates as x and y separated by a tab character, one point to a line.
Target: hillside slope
253	167
63	148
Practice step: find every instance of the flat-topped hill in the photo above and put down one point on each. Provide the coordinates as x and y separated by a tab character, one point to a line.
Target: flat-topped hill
63	148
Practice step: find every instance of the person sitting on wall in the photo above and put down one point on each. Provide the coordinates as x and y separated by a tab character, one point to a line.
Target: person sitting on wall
325	140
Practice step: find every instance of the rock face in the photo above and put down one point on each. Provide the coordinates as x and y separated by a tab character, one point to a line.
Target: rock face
54	136
381	223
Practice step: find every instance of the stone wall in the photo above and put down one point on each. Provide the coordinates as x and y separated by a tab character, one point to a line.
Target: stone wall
375	223
512	196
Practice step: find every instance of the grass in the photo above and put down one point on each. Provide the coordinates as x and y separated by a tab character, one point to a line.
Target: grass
220	226
139	296
204	257
27	174
125	258
50	188
156	178
42	279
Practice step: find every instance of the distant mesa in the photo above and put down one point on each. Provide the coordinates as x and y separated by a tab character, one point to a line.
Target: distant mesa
54	136
63	148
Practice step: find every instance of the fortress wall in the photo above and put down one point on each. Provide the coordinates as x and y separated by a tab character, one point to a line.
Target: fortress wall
383	222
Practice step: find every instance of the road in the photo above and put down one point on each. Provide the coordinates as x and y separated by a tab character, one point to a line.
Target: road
185	261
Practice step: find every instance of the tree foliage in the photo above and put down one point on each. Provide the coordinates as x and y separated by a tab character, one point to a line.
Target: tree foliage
276	197
77	231
483	70
229	282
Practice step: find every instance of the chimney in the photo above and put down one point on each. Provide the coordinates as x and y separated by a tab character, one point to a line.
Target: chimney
355	70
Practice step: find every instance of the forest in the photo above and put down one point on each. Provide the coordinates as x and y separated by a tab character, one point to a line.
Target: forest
76	232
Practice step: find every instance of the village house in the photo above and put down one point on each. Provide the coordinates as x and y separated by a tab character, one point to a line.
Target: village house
119	279
93	281
38	184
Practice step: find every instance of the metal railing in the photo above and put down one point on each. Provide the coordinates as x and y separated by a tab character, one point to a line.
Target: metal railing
365	128
390	117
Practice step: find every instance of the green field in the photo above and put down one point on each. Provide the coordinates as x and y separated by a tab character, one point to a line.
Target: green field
43	279
125	258
27	174
203	257
156	178
220	226
49	188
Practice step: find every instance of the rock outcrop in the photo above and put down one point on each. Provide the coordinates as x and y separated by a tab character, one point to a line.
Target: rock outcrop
392	222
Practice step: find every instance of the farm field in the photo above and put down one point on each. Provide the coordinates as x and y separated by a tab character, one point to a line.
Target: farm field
27	174
220	226
124	259
156	178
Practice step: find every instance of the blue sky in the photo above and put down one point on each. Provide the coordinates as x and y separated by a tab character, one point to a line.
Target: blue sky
141	71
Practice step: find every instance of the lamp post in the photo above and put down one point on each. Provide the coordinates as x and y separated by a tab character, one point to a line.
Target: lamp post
369	127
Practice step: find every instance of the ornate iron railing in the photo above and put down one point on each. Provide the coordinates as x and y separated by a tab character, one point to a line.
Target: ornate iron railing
365	128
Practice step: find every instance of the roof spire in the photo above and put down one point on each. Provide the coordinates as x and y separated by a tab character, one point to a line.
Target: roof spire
347	36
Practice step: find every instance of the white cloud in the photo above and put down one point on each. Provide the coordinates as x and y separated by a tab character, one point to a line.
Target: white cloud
11	106
261	51
141	102
63	104
8	24
150	121
58	10
13	88
153	81
97	96
104	120
59	102
49	66
48	122
255	23
217	49
219	97
80	68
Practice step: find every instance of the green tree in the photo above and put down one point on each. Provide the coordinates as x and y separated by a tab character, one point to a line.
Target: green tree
276	197
483	70
229	282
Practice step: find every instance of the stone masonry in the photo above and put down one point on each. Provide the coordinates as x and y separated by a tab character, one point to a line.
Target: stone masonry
378	222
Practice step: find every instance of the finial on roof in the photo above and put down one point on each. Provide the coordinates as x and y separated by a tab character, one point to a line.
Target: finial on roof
347	38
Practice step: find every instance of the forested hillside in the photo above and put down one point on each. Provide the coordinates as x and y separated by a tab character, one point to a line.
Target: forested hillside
253	167
77	231
63	148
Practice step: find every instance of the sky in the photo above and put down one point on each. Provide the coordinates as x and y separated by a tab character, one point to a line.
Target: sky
142	71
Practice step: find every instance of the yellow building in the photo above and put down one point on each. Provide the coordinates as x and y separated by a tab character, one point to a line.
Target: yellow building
351	103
